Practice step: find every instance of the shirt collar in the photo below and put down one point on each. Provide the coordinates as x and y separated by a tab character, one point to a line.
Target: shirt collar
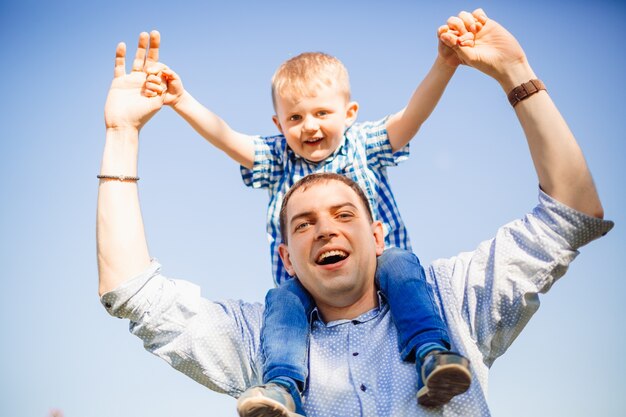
382	307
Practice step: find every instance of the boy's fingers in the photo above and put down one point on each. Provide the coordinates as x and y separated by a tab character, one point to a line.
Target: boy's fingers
155	43
153	78
448	39
120	60
155	87
466	39
155	68
446	29
140	55
480	15
457	24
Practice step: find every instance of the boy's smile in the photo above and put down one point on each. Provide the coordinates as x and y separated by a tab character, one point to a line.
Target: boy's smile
314	125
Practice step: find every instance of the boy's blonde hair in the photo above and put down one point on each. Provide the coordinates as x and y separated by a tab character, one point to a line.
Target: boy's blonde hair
305	73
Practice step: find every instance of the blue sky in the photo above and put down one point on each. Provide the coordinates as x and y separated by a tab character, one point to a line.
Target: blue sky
469	173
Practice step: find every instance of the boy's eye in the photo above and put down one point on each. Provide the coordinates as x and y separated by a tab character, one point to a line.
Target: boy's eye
295	118
322	113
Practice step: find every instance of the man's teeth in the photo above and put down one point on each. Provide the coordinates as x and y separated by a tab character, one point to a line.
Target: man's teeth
331	257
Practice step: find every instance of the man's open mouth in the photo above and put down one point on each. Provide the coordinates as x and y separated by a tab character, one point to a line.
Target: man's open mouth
331	257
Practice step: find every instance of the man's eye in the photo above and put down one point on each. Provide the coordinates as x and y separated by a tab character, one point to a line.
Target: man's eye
301	226
295	118
345	215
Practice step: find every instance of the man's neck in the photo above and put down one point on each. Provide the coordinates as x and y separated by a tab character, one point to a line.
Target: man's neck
362	305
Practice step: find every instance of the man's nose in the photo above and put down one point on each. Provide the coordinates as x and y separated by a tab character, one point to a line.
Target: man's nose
325	229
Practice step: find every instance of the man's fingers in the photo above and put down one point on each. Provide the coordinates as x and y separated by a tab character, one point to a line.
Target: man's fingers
480	15
469	20
120	60
455	23
140	55
153	52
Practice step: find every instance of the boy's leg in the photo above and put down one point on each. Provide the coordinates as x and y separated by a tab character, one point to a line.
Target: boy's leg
422	332
401	279
286	318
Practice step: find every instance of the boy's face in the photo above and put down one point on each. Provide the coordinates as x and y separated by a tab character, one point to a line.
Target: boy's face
314	125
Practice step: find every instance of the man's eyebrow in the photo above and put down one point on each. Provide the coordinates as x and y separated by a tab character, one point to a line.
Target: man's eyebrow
310	213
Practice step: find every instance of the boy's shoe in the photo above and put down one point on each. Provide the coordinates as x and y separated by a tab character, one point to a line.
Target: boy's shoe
270	400
444	375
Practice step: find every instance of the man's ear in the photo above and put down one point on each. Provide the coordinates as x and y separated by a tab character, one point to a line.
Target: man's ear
283	251
379	237
277	123
351	112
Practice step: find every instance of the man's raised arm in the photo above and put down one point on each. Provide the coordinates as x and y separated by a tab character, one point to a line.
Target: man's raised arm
121	241
485	45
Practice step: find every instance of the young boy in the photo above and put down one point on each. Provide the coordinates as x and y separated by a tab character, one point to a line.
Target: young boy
315	116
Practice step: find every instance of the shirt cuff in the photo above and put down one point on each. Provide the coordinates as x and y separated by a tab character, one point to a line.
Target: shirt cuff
118	301
575	227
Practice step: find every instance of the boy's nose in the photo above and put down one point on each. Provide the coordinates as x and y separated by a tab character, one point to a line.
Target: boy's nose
310	124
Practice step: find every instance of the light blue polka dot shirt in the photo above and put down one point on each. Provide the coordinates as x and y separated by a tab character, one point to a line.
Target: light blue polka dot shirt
486	296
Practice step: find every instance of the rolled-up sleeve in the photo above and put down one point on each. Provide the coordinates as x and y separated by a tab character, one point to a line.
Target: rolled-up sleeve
267	165
494	290
215	343
377	145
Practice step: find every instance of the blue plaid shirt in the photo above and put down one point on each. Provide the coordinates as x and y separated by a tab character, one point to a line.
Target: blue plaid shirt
363	156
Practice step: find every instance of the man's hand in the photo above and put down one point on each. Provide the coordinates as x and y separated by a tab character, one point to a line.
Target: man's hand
127	107
484	44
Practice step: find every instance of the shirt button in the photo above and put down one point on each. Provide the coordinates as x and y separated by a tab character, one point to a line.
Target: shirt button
355	354
363	388
355	322
107	305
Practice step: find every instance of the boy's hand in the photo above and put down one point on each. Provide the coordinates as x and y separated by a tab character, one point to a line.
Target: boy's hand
490	49
162	81
464	27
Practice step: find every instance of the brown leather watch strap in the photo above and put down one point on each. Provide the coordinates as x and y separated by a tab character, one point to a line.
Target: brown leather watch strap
523	91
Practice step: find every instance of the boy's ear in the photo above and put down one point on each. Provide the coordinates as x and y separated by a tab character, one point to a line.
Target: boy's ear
277	123
351	112
284	255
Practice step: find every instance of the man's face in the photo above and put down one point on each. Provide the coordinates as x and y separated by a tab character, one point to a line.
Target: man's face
314	125
332	245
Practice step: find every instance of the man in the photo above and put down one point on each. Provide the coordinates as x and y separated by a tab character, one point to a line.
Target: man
486	296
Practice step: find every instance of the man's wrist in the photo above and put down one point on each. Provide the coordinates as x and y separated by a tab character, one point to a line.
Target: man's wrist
118	132
516	75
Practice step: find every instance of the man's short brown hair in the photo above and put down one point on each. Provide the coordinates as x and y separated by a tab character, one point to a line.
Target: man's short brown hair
305	73
315	179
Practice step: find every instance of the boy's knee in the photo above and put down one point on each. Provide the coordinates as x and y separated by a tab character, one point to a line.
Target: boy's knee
400	257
